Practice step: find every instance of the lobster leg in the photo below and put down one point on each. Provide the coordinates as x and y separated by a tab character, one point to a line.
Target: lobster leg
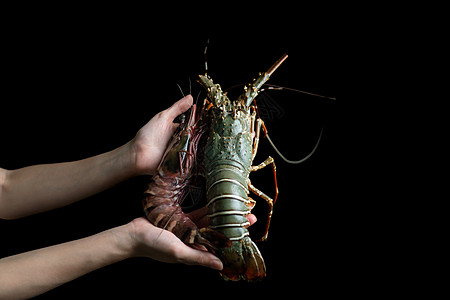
259	122
255	131
270	201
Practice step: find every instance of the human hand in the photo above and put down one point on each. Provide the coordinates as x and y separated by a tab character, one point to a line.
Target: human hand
151	141
162	245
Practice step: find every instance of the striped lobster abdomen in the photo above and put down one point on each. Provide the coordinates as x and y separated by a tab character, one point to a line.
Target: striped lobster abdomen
228	200
228	207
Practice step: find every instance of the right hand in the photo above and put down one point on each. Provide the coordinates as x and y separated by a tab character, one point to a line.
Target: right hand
162	245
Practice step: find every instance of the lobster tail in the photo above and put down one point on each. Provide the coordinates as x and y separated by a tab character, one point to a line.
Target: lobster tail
228	206
242	261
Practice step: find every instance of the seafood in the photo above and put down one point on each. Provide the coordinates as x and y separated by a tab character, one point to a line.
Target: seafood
231	146
219	141
163	196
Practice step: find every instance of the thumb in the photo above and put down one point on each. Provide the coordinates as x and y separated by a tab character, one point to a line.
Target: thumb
210	261
179	107
201	258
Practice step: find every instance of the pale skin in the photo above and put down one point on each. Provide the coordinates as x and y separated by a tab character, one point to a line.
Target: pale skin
40	188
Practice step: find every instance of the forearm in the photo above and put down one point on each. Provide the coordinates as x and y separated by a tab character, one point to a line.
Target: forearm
32	273
43	187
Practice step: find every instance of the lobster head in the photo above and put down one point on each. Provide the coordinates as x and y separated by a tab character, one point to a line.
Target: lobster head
218	98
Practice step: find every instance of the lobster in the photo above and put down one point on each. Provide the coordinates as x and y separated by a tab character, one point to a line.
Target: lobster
231	146
228	132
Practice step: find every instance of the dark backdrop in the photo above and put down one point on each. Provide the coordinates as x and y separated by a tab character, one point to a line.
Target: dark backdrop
77	89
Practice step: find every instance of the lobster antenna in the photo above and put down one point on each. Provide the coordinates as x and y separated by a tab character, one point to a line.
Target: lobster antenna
277	87
274	87
295	161
276	64
251	91
204	54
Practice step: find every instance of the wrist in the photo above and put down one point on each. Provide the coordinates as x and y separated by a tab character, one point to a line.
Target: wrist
127	157
131	241
144	158
124	240
134	153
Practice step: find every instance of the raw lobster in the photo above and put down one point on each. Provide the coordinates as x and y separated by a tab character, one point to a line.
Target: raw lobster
231	135
231	146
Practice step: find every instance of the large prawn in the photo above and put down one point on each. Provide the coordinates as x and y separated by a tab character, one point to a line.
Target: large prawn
164	195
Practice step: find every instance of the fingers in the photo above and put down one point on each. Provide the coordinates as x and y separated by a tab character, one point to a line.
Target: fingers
164	246
252	219
179	107
192	256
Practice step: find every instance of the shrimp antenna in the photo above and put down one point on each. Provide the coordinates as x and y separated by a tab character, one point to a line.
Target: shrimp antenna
190	86
181	90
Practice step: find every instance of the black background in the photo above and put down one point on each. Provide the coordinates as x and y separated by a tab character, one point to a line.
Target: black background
85	85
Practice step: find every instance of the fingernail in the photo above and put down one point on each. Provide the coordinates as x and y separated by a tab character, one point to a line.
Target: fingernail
189	99
216	264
